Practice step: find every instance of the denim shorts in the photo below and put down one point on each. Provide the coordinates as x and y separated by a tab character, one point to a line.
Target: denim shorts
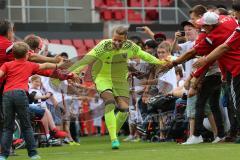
37	110
191	107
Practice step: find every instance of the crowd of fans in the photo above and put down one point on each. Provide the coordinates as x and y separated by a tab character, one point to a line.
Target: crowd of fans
163	104
207	98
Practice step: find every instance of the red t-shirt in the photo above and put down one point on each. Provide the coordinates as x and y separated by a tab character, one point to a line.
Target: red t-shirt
6	54
17	73
230	61
217	37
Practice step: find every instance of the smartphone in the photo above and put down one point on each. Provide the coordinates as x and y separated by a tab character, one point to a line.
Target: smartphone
182	33
140	29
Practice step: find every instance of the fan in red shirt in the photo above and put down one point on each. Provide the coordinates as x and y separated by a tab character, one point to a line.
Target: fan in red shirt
228	56
15	99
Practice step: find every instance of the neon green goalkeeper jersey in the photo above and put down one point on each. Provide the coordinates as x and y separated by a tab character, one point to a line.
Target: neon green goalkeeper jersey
111	64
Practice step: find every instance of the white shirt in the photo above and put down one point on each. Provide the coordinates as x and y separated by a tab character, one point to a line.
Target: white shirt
184	48
170	78
38	94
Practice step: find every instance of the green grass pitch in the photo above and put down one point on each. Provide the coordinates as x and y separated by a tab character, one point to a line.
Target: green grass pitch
98	148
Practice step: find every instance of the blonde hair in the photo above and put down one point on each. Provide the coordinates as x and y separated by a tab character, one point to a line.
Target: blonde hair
121	30
165	45
35	77
20	50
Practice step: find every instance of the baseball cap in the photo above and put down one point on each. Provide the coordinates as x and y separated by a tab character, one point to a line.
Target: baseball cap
160	37
151	43
187	23
209	18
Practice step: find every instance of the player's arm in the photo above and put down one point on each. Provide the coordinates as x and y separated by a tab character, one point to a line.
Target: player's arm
148	57
3	70
1	73
50	65
185	57
89	58
42	59
217	53
213	56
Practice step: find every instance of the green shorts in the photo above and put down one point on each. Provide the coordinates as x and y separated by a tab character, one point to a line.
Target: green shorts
119	88
191	107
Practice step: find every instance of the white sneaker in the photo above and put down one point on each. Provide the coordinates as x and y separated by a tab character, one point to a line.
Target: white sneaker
129	138
194	140
187	141
218	139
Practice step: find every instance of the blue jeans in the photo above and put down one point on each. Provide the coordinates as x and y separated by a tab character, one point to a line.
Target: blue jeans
16	102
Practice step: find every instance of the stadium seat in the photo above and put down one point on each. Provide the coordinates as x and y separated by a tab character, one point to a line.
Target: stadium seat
57	41
89	43
134	3
151	3
106	15
134	16
67	41
97	41
82	50
166	3
152	15
99	4
110	2
78	43
118	15
118	4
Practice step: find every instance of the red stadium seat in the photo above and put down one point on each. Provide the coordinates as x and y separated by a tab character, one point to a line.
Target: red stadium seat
106	15
99	3
110	2
57	41
118	15
89	43
152	15
67	41
78	43
82	50
166	3
135	3
97	41
134	16
118	4
151	3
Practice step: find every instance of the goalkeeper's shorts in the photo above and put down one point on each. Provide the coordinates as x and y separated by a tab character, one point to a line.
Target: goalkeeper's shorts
119	88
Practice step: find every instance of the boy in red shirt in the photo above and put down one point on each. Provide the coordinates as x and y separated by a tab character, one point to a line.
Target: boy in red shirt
15	99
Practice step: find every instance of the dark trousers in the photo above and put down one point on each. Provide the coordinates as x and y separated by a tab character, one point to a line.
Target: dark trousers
16	102
209	92
234	84
1	111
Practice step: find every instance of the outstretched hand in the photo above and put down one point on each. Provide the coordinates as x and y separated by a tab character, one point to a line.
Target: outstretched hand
166	67
200	62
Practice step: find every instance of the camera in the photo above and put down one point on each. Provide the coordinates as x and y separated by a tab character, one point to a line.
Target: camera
182	33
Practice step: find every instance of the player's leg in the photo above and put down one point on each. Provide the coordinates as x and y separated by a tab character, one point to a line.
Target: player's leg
121	93
121	117
110	118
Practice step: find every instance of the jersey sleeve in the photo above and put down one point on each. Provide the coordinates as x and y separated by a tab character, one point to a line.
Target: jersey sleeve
45	72
4	68
204	47
138	52
90	57
233	40
35	67
9	52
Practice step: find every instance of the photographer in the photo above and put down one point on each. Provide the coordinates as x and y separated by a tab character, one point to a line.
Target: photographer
190	33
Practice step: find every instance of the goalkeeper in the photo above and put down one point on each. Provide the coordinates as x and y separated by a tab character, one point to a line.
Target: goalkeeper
109	72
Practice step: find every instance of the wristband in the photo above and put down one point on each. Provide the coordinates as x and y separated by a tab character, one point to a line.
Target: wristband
174	63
